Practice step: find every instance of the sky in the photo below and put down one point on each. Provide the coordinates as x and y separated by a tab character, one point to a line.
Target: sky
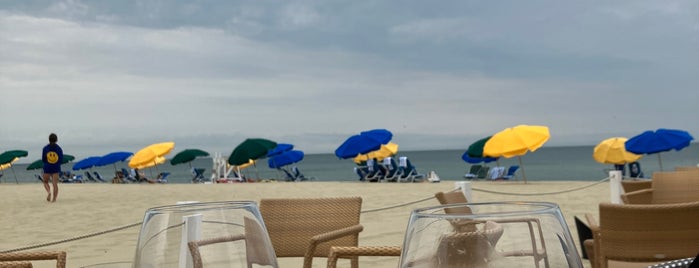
120	75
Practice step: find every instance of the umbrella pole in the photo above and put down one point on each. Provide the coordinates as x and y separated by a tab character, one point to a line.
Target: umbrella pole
660	162
15	174
524	175
257	174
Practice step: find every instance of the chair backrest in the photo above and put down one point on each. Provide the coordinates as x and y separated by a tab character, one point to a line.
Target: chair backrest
686	168
24	257
635	185
292	222
453	197
648	233
675	187
474	169
511	170
483	172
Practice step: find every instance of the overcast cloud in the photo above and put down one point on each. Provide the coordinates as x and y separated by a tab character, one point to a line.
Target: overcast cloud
119	75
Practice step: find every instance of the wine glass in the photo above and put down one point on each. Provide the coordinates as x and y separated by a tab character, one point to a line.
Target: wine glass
497	234
223	234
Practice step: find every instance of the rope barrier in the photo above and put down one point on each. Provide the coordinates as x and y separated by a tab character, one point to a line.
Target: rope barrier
548	193
364	211
72	239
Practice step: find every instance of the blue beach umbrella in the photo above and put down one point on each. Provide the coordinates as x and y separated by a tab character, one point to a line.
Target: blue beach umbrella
285	158
661	140
113	158
363	143
86	163
476	160
281	147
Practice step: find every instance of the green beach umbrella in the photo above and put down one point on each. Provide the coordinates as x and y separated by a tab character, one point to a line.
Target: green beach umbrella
187	156
476	148
9	156
251	149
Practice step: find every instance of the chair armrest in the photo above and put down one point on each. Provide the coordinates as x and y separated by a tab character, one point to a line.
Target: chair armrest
59	256
589	245
644	196
337	252
592	222
194	246
317	239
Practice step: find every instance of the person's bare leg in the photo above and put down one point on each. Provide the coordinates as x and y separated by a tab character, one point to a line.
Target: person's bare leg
54	180
45	180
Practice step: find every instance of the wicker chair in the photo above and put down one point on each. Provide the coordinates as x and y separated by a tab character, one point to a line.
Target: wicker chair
305	227
21	259
635	185
643	233
309	227
666	188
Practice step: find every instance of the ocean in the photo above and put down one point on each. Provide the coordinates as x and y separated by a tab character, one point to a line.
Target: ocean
572	163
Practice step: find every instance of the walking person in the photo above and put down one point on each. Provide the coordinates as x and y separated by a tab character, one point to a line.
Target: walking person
52	156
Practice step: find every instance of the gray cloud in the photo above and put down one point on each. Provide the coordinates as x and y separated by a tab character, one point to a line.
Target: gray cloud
112	75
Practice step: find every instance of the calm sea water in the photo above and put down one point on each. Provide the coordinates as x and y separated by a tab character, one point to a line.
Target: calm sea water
546	164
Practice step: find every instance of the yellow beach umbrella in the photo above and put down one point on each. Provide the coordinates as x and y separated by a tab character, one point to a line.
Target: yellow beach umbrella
150	153
158	160
386	150
8	165
613	151
516	141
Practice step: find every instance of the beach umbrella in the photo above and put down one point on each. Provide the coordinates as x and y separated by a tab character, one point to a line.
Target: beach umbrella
386	150
150	154
253	148
516	141
187	156
86	163
661	140
157	161
475	160
40	163
476	148
613	151
285	158
281	147
113	158
8	157
362	143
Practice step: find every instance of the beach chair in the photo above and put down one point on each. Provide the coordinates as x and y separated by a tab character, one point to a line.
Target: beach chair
90	177
473	172
198	175
666	188
511	172
483	172
392	170
127	175
643	234
99	177
408	172
162	177
496	173
298	176
373	172
23	259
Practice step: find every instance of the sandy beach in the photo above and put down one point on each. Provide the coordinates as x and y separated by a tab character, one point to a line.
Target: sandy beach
89	208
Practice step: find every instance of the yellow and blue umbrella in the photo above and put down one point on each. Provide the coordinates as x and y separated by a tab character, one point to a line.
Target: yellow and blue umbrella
516	141
386	150
661	140
362	143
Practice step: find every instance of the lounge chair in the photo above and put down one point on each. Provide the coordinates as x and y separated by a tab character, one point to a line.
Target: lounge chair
90	177
99	177
483	172
496	173
127	175
392	170
162	177
408	172
373	172
643	234
198	175
511	172
298	176
23	259
473	172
